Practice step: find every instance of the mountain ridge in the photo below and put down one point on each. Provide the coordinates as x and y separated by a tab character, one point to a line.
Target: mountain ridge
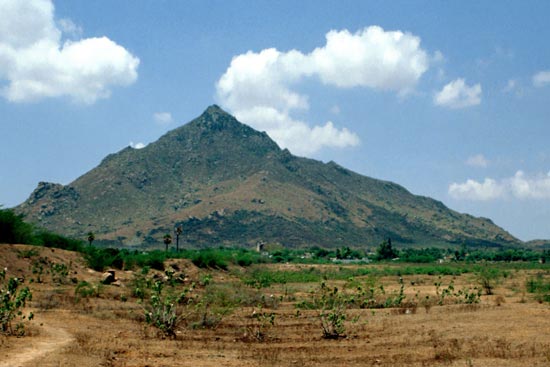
227	183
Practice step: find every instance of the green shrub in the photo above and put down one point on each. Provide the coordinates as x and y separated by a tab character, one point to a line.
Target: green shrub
49	239
13	229
163	309
27	253
489	278
540	287
466	295
87	290
260	324
209	259
332	306
150	260
12	300
101	258
244	259
59	273
215	302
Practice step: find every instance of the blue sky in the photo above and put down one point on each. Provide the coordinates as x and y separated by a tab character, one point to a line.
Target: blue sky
448	99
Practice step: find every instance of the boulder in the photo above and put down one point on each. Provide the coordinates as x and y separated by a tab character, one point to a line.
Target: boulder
108	277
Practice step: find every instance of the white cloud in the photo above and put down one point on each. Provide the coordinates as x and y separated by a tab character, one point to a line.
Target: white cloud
473	190
137	145
457	94
371	58
69	28
259	87
519	186
530	187
296	134
477	160
36	64
163	118
541	79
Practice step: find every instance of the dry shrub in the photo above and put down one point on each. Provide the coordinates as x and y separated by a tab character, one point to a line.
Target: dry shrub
259	326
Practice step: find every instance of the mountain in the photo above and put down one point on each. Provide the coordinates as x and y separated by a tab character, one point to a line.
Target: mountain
227	183
538	244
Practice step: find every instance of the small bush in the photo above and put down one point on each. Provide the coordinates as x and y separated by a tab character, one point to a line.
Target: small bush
216	302
162	309
101	258
260	324
59	273
540	287
209	259
27	253
12	300
332	305
87	290
488	279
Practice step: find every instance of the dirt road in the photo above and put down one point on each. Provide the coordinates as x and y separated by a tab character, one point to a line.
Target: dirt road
30	350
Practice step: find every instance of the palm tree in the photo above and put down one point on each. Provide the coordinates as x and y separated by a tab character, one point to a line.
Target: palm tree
178	230
167	240
91	237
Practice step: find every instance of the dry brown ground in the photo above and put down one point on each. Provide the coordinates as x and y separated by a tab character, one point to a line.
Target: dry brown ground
507	329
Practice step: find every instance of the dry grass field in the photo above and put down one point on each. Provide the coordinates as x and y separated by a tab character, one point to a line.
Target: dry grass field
104	325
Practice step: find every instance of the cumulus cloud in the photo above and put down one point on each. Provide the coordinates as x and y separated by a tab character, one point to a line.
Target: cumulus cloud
137	145
296	134
473	190
541	78
477	160
163	118
519	186
69	28
260	87
457	94
530	187
36	64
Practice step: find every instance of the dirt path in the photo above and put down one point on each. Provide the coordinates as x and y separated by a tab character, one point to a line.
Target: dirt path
32	349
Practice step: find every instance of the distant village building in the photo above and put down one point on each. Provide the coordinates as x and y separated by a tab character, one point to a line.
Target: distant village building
260	246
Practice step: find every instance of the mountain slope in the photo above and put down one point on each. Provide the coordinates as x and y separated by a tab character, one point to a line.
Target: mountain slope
228	183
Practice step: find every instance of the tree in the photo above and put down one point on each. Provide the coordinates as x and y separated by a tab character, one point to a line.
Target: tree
13	229
178	230
385	251
167	240
91	237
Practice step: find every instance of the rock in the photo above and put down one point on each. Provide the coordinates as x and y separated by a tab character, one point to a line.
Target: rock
108	277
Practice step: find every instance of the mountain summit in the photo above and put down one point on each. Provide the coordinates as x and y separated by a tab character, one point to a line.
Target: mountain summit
227	183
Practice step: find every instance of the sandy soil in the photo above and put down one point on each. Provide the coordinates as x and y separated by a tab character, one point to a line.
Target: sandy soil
507	329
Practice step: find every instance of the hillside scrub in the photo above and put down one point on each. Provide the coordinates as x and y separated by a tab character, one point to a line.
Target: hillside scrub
13	229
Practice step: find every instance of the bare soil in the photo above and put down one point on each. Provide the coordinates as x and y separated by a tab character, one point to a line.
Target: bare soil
508	328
